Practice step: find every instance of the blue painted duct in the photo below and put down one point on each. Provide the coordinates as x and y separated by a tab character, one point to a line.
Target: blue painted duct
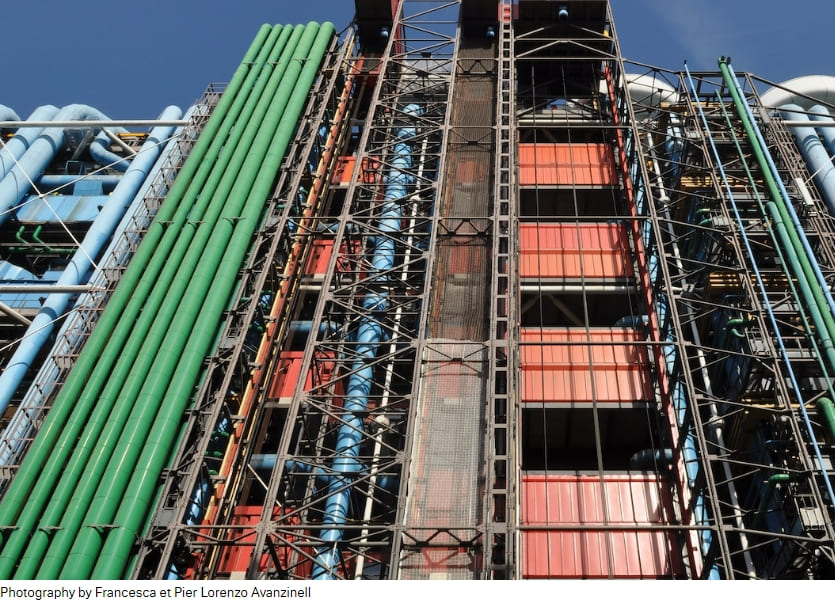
822	114
99	152
32	164
370	335
814	153
79	266
7	114
23	420
23	138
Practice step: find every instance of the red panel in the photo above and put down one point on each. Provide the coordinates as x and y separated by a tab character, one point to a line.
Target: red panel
559	500
576	365
288	371
592	250
317	262
584	164
236	556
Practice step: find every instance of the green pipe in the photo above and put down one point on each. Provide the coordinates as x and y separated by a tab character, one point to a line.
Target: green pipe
815	312
132	296
827	408
66	417
98	443
773	480
734	324
200	291
113	349
810	289
134	367
135	501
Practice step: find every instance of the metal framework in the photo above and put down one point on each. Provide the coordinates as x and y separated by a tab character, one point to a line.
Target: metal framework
74	328
744	360
418	365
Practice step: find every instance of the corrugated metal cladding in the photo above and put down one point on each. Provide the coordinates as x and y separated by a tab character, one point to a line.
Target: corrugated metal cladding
571	164
580	365
628	502
573	250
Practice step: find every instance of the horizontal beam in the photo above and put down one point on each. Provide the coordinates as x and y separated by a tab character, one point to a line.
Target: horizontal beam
48	288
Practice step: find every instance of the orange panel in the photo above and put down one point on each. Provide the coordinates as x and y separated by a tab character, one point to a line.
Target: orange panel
568	365
584	164
560	500
592	250
345	167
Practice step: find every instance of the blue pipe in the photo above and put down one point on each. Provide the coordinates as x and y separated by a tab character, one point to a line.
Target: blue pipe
78	268
32	164
55	182
814	153
11	443
369	337
821	113
23	138
807	248
99	152
7	114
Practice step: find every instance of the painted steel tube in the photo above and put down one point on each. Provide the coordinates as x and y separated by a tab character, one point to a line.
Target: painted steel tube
23	138
804	286
822	115
827	409
66	418
799	90
99	152
143	335
15	184
815	86
814	154
369	337
79	266
781	478
25	419
810	288
7	114
54	182
139	491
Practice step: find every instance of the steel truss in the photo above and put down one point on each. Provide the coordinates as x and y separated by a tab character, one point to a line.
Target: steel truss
74	329
572	90
194	520
742	357
407	111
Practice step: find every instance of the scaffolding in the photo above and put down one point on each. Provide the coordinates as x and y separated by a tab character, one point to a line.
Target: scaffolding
517	309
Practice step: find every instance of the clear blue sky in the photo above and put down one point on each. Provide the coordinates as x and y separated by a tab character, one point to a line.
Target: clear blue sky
130	58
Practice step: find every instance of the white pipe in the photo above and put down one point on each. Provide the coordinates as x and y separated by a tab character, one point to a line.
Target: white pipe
47	288
799	90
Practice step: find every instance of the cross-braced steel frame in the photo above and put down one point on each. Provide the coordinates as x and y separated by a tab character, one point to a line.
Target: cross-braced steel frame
74	329
743	359
194	520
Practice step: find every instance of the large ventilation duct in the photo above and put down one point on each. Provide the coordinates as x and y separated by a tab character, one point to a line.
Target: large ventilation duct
12	150
647	92
799	90
814	153
79	266
33	163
